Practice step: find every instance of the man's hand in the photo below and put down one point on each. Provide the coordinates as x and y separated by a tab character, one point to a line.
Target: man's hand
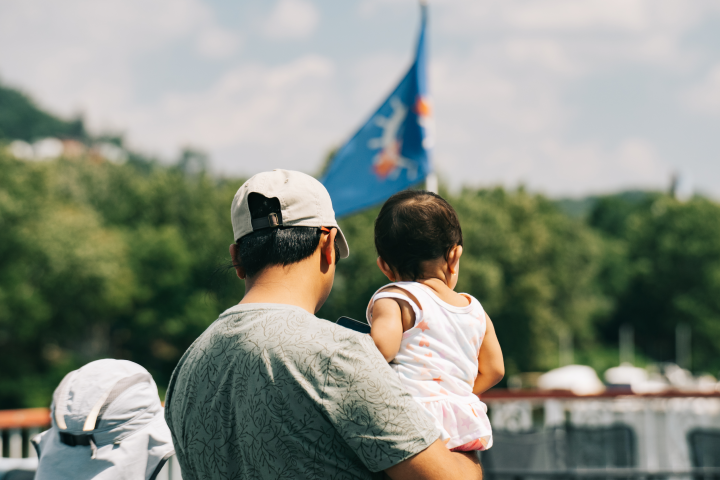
437	463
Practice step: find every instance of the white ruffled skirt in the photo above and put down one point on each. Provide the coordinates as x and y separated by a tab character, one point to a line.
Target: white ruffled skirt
464	426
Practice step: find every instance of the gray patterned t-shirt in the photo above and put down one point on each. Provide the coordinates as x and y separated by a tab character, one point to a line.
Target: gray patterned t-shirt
270	391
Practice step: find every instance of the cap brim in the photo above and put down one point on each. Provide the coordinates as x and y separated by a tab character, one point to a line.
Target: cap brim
133	457
342	243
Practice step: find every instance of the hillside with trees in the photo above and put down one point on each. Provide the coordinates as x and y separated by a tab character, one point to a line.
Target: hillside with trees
21	119
129	260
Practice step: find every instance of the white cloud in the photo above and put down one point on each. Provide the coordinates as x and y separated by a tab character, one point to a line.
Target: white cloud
502	110
548	54
581	169
502	119
572	15
561	16
80	55
501	71
372	77
263	114
705	96
217	42
592	34
554	166
292	19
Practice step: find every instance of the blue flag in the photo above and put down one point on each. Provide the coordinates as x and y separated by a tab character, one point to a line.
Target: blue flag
391	151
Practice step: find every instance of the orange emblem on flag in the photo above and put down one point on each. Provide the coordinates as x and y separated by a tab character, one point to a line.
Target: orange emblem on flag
423	107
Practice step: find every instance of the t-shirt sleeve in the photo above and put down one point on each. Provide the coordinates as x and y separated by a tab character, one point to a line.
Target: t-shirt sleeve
369	408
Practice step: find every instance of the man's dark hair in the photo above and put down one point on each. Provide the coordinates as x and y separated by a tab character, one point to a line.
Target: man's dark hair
414	226
275	246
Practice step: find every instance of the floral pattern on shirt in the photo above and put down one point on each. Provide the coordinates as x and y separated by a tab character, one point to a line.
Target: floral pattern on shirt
273	392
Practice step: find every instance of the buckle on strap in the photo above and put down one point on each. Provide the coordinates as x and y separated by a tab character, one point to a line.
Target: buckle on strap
74	440
271	221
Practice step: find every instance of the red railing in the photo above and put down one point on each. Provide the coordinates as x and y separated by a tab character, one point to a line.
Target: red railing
20	425
25	418
504	394
40	417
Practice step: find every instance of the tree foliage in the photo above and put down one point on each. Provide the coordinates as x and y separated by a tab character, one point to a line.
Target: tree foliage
105	260
670	273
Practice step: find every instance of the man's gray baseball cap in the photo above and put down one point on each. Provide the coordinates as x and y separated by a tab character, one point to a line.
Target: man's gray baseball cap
304	202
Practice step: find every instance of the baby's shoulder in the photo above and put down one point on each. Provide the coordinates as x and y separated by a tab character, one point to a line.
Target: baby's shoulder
475	308
401	292
407	302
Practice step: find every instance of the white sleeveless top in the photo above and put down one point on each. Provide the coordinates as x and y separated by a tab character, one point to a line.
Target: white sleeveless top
438	362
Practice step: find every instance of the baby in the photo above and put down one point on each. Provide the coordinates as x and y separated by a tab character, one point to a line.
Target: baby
441	343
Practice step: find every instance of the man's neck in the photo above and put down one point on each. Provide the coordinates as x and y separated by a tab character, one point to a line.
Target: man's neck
285	285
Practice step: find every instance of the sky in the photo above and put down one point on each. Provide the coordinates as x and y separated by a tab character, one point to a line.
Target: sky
565	97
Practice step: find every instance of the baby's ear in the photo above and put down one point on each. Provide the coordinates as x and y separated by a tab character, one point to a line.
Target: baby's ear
385	269
453	258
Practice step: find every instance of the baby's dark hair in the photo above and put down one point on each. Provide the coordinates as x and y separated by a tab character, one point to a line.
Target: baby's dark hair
414	226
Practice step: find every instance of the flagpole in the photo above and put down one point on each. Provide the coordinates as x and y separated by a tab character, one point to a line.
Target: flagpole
392	150
431	181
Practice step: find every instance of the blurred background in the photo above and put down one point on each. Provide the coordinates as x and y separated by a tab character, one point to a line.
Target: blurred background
577	141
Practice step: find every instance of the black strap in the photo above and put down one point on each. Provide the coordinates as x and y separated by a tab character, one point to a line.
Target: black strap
74	440
271	221
158	468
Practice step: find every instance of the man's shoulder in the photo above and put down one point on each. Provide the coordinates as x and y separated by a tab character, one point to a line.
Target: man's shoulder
275	326
284	338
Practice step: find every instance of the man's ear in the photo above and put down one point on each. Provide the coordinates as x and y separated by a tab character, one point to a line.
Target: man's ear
385	268
453	258
327	245
239	270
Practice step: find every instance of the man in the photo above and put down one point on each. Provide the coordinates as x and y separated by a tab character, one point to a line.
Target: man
269	390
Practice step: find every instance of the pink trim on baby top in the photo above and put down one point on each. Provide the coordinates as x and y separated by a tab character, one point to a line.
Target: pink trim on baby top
416	310
478	444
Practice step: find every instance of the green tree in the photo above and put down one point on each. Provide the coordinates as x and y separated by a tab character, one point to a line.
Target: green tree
533	269
102	260
672	273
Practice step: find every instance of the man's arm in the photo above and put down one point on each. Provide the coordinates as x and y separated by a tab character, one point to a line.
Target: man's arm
379	420
437	463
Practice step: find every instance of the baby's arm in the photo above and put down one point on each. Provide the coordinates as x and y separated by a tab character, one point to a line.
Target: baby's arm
390	318
491	368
